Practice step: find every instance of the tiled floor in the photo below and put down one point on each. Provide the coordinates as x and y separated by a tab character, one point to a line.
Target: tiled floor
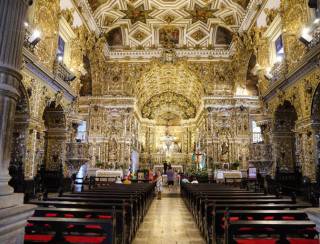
168	222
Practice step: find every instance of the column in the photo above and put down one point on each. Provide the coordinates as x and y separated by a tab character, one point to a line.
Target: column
13	213
12	14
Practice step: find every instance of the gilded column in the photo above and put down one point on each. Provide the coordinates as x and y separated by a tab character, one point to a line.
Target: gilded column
13	213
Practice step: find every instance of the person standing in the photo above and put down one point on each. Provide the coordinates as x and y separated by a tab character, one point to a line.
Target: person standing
170	176
159	184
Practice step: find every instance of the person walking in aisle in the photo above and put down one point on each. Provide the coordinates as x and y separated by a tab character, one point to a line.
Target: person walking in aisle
159	184
170	177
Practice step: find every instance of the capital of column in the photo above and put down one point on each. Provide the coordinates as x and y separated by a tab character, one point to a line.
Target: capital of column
9	82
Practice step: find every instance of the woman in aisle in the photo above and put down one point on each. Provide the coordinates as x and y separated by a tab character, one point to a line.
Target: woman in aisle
159	184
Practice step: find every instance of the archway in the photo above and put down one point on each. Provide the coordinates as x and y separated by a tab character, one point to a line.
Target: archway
169	99
315	122
55	136
284	137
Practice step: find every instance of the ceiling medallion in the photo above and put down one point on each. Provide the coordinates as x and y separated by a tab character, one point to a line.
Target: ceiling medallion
201	13
137	14
198	35
168	18
139	36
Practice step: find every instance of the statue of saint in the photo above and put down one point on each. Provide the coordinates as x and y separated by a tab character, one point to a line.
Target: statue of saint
224	148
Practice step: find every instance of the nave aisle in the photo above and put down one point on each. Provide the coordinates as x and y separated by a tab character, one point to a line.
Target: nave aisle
168	221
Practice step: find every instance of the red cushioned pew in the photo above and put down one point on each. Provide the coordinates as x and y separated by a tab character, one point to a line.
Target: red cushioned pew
218	224
87	213
69	230
282	231
212	208
128	226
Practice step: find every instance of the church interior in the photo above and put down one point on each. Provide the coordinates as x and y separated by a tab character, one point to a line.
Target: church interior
160	121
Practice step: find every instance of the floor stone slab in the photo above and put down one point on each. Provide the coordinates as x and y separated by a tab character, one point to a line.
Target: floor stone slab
168	222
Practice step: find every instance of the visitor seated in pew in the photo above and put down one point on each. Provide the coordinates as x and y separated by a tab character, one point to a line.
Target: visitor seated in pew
194	181
118	180
127	181
185	180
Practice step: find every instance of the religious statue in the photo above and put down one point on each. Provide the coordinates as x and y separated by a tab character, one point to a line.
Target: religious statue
224	157
224	148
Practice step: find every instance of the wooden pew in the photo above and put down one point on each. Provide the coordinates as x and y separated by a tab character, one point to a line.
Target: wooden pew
208	202
218	224
87	213
45	225
209	205
139	202
199	204
283	229
129	227
211	211
128	203
132	201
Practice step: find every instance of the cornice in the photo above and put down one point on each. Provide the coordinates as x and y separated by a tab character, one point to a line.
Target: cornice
88	16
40	71
253	9
141	55
308	63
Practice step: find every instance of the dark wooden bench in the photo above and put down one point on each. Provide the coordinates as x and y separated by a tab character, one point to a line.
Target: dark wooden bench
208	205
283	229
87	213
199	203
129	226
47	225
139	202
218	223
211	211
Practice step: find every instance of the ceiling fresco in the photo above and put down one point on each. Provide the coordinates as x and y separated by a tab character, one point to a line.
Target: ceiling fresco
196	21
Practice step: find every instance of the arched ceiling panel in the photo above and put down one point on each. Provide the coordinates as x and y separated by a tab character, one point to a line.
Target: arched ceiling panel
169	88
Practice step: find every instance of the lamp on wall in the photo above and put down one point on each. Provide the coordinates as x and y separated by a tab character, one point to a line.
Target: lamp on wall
34	38
70	77
268	74
306	36
309	32
59	58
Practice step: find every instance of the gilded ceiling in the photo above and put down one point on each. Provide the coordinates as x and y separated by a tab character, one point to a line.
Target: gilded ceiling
169	89
185	23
